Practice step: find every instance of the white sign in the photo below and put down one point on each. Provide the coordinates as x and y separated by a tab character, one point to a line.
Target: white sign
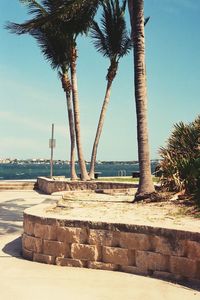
52	143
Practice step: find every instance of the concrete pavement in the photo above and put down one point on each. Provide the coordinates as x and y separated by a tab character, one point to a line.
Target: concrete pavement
21	279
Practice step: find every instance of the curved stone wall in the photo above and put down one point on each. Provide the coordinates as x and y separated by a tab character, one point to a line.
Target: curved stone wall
158	252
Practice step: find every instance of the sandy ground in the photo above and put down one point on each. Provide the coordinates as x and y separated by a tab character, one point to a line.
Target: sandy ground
21	279
120	209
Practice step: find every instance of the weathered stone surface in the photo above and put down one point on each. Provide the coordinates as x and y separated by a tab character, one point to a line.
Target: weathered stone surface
183	266
49	185
28	227
50	232
27	254
169	246
39	230
87	252
47	232
102	266
32	243
170	254
163	275
197	275
152	261
193	250
69	262
56	248
134	241
103	237
47	259
133	270
72	235
118	256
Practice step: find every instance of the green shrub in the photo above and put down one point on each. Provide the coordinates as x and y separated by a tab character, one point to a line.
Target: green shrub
180	164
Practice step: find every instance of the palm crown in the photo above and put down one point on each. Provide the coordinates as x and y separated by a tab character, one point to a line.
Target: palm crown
52	37
54	43
77	15
112	39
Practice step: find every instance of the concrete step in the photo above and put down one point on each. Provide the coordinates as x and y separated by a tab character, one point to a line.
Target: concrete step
17	185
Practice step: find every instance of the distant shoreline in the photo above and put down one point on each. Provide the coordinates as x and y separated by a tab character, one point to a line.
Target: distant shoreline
58	161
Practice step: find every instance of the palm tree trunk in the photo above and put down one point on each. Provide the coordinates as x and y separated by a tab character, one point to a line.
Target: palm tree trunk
99	130
112	71
136	11
83	170
67	88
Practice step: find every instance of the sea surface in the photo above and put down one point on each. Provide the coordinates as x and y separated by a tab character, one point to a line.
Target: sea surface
17	171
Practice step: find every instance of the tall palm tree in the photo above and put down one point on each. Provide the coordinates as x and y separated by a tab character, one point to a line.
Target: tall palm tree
113	42
53	42
64	12
136	11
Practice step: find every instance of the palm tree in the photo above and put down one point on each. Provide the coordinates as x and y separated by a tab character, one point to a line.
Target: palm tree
113	42
54	45
136	11
72	11
63	12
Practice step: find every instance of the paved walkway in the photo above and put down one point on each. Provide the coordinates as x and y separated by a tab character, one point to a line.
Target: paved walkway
21	279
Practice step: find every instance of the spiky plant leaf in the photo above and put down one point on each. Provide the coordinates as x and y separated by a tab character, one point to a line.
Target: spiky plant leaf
180	163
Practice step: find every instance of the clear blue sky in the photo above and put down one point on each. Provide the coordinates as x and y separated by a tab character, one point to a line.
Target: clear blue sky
31	97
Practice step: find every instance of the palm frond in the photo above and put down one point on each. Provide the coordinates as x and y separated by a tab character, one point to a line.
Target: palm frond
146	20
99	39
54	44
52	36
111	37
76	14
127	45
35	8
27	26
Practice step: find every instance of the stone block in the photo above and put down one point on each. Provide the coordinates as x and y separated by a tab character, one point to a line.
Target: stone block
133	270
69	262
86	252
27	254
50	232
135	241
183	266
72	235
32	243
147	261
39	230
43	258
197	275
163	275
103	237
102	266
193	250
28	227
55	248
118	256
169	247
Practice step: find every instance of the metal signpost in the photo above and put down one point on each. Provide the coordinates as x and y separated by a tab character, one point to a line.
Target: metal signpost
52	145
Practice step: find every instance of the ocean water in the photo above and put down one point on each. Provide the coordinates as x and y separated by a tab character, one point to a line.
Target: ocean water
17	171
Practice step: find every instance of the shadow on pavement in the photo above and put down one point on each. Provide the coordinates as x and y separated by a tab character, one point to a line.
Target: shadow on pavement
11	215
14	248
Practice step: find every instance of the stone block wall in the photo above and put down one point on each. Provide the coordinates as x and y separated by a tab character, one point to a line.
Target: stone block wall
157	252
50	186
